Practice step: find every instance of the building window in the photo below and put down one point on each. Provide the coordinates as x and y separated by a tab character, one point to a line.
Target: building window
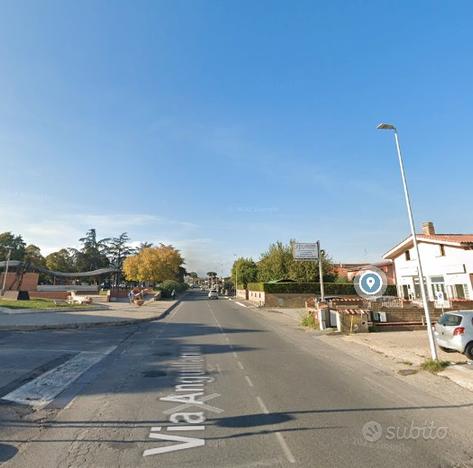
442	250
408	254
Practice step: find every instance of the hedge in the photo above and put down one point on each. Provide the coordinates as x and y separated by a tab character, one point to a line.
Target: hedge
330	289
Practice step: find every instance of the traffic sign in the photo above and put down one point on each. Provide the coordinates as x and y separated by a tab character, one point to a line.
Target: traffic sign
304	251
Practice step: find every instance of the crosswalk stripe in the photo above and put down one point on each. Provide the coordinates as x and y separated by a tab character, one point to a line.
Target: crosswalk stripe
41	391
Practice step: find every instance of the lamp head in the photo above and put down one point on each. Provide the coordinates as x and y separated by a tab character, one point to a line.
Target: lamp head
386	126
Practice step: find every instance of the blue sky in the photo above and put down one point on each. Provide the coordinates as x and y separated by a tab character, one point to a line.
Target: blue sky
222	126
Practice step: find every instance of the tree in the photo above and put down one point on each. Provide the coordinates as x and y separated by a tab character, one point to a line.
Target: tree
144	245
33	256
8	240
92	255
118	249
274	264
62	260
154	264
278	263
245	271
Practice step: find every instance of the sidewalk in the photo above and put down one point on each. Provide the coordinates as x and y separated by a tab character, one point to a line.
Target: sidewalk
410	348
111	314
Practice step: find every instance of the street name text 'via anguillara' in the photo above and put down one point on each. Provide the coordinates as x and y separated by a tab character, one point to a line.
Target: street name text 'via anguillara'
189	393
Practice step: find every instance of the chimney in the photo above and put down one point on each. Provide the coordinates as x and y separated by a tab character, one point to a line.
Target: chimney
428	228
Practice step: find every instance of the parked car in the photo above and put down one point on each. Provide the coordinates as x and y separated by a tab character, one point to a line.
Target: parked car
213	294
454	332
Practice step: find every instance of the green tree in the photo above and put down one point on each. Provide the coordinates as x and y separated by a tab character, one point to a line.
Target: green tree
144	245
92	255
118	249
33	255
278	263
245	270
8	240
275	263
62	260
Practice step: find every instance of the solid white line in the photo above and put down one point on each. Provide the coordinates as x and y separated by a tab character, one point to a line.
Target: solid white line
285	448
250	383
240	304
262	405
41	391
240	365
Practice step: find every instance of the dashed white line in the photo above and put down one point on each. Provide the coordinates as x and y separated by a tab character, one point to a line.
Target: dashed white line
285	448
240	304
279	437
235	355
250	383
262	405
240	365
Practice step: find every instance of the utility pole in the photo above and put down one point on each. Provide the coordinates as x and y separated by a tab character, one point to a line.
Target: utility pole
6	272
321	275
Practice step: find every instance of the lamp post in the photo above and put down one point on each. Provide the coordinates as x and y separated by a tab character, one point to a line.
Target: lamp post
433	348
236	276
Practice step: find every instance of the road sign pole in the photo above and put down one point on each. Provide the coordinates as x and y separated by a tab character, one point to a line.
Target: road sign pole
321	276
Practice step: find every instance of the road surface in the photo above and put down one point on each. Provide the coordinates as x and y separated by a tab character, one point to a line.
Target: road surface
216	384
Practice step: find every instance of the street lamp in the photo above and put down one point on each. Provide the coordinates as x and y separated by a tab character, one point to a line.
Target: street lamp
236	275
433	348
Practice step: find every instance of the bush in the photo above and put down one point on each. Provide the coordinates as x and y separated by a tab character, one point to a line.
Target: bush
330	289
433	366
308	321
166	287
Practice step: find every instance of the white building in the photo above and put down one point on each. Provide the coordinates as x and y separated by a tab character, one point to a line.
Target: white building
447	261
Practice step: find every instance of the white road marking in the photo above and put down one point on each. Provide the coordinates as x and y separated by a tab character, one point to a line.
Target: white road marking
262	405
218	368
250	383
235	355
285	448
240	365
188	427
240	304
279	437
201	405
41	391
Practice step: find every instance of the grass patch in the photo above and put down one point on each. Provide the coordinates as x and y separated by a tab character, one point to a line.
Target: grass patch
430	365
308	321
35	304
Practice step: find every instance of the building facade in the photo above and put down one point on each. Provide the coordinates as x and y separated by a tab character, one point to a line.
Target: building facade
447	262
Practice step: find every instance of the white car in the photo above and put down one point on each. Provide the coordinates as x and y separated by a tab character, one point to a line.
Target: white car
213	294
454	332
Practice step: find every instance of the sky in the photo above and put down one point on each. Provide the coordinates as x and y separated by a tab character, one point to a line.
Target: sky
223	126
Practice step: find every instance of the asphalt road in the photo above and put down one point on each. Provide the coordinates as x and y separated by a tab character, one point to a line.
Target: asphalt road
216	384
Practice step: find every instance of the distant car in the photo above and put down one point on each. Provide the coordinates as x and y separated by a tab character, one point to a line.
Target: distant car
454	332
213	294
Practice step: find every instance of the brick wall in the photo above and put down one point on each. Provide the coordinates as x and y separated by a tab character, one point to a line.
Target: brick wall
29	283
61	295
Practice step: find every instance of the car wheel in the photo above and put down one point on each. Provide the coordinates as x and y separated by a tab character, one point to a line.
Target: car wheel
469	351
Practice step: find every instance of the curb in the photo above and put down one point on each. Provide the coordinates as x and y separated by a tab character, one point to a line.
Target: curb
85	325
